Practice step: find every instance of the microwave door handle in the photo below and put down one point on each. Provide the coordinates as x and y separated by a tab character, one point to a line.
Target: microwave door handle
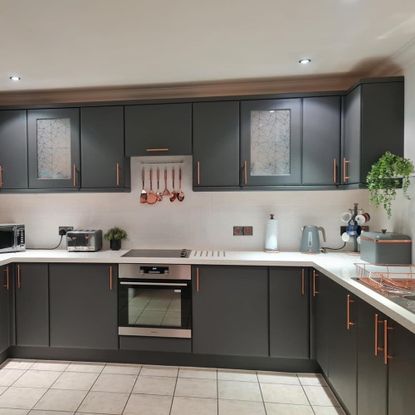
155	284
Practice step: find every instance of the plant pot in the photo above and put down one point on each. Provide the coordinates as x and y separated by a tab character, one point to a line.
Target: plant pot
115	244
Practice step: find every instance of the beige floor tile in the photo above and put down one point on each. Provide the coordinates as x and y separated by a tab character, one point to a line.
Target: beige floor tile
193	406
228	407
21	398
278	377
155	385
312	379
75	381
2	389
37	379
168	371
197	373
122	369
61	400
320	396
9	376
240	391
237	375
18	364
55	366
85	367
10	411
109	382
148	405
328	410
104	403
286	409
196	388
277	393
42	412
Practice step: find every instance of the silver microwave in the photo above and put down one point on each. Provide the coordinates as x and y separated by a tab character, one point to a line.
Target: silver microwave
12	238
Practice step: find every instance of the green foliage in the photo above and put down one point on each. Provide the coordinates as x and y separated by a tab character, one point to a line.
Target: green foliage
389	173
115	234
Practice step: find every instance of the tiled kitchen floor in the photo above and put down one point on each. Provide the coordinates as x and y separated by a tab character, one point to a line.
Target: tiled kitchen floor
63	388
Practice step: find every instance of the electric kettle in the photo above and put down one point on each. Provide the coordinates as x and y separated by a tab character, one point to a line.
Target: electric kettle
310	240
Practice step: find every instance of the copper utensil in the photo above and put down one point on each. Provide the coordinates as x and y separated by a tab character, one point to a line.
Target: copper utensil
159	193
165	191
180	193
143	195
151	196
173	192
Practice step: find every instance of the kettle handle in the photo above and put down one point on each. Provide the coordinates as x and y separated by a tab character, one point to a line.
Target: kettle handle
323	232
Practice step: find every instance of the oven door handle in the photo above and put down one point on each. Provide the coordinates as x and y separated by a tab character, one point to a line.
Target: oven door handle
155	284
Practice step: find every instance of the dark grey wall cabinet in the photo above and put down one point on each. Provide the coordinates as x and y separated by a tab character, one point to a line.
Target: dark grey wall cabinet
13	150
53	144
321	140
271	142
5	304
289	313
32	305
161	129
372	379
230	310
83	306
103	162
373	124
216	144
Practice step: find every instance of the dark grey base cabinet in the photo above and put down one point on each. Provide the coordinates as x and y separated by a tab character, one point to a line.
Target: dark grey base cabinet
83	306
32	304
230	310
289	308
5	307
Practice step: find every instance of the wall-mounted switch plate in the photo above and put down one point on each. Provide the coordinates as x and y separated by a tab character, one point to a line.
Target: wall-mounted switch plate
238	231
248	230
64	229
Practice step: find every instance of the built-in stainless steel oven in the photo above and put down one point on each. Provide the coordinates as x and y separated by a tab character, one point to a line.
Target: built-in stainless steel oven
155	300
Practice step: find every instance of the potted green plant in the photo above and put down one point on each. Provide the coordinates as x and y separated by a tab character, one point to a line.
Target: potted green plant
115	236
389	173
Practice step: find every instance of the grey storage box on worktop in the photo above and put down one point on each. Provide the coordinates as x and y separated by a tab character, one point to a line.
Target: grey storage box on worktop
386	248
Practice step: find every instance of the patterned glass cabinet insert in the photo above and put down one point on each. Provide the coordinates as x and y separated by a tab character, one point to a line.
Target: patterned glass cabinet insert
54	148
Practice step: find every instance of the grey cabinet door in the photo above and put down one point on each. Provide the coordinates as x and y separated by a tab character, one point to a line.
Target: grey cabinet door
216	144
83	306
103	162
160	129
53	143
5	303
32	305
372	376
271	142
321	140
230	310
289	313
13	150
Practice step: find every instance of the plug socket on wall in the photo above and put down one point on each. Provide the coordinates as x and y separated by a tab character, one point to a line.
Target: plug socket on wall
64	229
243	230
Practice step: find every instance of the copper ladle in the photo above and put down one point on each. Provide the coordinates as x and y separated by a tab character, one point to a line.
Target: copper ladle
180	194
143	195
173	192
159	193
151	196
165	191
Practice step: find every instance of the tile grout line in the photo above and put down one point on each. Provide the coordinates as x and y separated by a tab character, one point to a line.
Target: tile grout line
174	391
262	396
217	390
305	393
131	391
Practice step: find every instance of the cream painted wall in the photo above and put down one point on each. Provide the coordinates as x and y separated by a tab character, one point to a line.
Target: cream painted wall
203	220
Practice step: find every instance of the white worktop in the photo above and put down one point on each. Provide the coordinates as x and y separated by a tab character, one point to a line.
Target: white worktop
340	267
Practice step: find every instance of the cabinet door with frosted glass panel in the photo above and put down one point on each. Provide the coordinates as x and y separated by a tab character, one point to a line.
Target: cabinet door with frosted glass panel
271	142
53	138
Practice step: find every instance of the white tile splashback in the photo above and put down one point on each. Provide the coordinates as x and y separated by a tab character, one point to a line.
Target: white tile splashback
204	220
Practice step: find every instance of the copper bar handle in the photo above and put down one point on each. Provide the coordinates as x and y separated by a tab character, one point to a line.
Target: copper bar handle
1	176
376	334
245	172
345	170
302	282
110	277
335	171
386	329
118	174
349	323
198	172
6	285
315	292
155	150
74	175
197	280
18	277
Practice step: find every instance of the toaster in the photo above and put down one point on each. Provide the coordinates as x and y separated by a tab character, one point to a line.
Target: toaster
84	240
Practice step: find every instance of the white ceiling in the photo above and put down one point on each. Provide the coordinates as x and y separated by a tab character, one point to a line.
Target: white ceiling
77	43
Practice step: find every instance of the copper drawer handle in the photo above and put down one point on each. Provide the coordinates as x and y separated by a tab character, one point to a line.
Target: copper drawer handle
378	322
74	175
245	172
18	277
197	280
349	323
345	170
386	355
335	171
1	177
118	174
315	292
302	282
110	277
6	285
155	150
198	171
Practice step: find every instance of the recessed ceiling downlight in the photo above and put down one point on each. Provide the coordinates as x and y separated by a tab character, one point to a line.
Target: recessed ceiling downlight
15	78
304	61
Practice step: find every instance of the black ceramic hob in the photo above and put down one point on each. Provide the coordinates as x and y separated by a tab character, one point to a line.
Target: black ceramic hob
158	253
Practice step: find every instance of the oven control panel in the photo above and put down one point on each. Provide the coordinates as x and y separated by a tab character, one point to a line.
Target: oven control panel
154	271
